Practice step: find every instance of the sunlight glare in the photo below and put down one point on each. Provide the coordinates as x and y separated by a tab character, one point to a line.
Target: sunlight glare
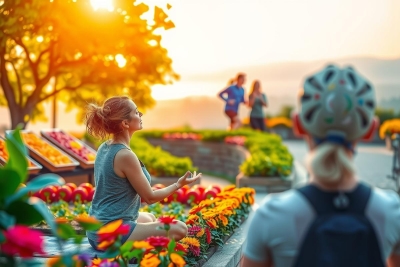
121	61
102	4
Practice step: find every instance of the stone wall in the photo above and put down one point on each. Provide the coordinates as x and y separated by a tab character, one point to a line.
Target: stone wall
212	157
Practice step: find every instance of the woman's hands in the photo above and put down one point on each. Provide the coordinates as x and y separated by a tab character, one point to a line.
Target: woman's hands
188	179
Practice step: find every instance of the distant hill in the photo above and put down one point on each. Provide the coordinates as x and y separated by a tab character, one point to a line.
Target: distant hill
381	71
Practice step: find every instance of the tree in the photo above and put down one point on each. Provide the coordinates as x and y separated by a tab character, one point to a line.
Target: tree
285	111
385	114
88	55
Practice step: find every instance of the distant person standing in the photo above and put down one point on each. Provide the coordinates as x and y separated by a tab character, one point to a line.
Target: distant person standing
257	100
233	96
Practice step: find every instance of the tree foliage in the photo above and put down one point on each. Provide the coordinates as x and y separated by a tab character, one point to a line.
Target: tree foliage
87	54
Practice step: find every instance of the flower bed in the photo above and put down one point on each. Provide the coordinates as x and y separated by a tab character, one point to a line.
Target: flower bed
269	157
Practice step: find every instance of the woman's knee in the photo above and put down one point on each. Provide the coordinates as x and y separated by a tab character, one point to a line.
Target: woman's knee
152	217
179	230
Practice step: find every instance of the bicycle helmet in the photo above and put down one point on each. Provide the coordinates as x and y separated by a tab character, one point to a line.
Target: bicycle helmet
336	105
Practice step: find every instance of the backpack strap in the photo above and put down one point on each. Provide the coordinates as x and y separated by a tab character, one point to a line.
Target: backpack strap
323	202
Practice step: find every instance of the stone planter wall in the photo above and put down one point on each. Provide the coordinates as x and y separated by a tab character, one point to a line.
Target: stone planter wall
211	157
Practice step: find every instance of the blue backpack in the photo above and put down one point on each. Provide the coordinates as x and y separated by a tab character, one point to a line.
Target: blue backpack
341	235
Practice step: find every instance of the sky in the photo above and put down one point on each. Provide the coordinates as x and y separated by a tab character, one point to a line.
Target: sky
213	35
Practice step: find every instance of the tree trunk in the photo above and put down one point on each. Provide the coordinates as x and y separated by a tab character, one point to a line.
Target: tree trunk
17	117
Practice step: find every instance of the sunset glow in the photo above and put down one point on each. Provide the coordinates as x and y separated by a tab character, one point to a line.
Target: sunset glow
102	4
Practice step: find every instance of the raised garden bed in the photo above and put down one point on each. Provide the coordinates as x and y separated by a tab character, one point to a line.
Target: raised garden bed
271	184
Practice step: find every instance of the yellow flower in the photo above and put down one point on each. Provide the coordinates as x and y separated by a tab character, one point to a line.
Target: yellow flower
150	260
142	244
191	241
192	219
200	233
177	259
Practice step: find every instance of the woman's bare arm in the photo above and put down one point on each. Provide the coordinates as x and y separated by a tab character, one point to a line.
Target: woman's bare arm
394	260
129	164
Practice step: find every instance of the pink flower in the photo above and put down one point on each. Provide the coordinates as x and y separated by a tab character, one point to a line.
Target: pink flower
195	250
22	241
194	230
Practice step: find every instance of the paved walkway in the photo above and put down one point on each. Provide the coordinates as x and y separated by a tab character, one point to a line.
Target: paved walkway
373	162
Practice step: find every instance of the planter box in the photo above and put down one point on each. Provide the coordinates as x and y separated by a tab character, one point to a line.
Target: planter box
272	184
85	164
168	180
43	160
34	169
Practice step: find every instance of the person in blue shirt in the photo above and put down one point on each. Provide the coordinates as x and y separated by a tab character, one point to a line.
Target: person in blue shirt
233	96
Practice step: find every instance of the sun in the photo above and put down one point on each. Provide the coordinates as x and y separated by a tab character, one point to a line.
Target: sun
102	4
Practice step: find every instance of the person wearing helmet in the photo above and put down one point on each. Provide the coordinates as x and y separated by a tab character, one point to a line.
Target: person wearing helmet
334	220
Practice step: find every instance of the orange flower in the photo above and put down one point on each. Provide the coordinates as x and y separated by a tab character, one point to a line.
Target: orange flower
112	230
167	219
223	219
200	233
55	261
142	244
212	223
177	259
61	220
105	244
150	260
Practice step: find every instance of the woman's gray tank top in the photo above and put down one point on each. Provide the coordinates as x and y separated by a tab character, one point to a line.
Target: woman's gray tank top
115	198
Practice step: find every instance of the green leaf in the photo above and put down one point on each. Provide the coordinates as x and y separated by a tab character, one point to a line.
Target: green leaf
24	213
41	207
36	184
6	220
90	226
7	261
65	231
17	154
109	254
9	182
127	246
171	246
2	237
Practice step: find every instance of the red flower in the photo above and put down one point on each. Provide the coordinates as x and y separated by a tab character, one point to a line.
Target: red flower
180	247
167	219
22	241
208	234
111	231
196	209
158	241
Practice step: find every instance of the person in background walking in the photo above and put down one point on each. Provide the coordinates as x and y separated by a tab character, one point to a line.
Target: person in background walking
335	220
233	96
257	100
